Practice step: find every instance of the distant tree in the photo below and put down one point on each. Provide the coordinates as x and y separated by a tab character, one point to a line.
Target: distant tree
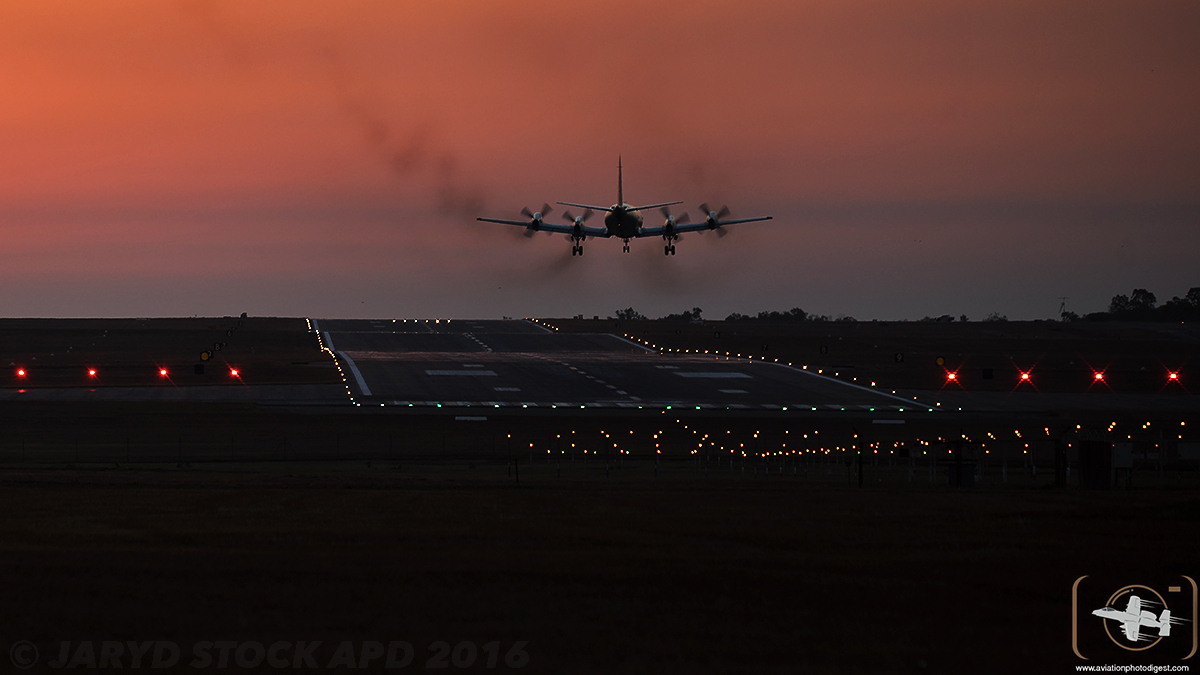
995	316
846	317
1142	299
933	318
1069	316
693	315
1118	304
793	314
1186	308
1193	297
963	318
630	314
1139	306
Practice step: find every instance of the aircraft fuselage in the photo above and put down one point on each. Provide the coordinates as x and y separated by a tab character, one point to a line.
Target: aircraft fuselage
623	221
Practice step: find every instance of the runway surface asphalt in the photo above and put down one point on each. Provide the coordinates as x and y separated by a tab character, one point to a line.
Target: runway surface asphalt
454	364
522	364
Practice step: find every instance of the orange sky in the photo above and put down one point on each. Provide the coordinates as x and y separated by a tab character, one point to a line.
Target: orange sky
328	159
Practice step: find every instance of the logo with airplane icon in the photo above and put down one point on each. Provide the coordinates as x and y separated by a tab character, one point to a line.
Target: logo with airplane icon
1135	618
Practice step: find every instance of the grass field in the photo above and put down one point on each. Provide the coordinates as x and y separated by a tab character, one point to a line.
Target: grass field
599	569
133	352
984	355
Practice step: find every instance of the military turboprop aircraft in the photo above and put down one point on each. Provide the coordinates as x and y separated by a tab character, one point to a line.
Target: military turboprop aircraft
623	221
1134	617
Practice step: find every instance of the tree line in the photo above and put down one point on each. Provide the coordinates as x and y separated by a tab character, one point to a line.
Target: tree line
1140	305
793	314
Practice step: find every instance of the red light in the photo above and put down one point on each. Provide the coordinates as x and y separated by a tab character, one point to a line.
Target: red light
1099	376
951	376
233	372
91	372
162	372
1024	376
1173	376
20	372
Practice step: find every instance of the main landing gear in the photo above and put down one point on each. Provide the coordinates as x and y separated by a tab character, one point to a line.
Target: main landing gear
669	238
577	250
626	246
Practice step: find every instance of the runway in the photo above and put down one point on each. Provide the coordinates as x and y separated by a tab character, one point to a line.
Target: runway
505	364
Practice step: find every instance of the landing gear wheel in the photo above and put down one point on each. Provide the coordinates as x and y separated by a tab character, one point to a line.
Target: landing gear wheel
574	250
666	250
672	249
581	250
627	248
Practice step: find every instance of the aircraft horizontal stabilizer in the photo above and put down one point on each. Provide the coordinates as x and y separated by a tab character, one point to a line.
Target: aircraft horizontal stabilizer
1164	623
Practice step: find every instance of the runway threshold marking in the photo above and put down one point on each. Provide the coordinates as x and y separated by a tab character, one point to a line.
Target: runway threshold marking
478	342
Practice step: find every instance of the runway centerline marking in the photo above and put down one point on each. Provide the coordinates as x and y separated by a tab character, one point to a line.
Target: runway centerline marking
480	373
717	375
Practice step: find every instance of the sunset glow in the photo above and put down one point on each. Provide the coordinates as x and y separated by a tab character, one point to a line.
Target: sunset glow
320	159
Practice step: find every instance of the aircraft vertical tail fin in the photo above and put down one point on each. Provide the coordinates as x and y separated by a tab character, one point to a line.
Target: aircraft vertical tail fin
1164	623
620	191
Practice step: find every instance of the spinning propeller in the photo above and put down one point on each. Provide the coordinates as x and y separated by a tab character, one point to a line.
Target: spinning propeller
535	219
713	218
578	221
670	223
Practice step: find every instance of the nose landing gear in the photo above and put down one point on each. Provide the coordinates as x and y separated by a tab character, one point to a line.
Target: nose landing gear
626	246
669	249
577	250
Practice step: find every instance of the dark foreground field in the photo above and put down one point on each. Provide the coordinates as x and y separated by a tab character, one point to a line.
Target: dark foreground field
597	570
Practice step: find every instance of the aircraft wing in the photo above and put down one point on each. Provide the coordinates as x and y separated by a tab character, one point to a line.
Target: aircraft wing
695	227
589	231
1131	630
1135	606
551	227
744	220
522	223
